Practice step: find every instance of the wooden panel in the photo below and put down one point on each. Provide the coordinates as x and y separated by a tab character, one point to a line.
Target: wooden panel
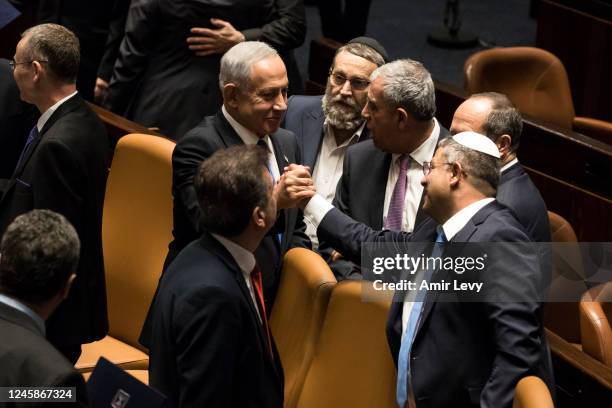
580	34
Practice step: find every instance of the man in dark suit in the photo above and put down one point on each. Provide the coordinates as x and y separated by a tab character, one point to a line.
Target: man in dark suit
211	344
40	252
254	84
16	120
380	183
327	125
158	79
492	114
450	353
63	167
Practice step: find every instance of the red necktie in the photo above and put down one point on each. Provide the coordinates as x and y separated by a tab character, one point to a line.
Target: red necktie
256	281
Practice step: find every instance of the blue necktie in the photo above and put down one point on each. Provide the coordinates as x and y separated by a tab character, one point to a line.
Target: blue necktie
403	360
33	136
262	143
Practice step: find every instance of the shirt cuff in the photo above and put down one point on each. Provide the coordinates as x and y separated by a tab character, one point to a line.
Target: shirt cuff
316	209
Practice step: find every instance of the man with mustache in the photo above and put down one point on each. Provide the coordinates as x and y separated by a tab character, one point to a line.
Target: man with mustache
327	125
380	183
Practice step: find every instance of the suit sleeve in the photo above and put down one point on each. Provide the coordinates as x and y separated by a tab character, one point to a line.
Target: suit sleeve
207	327
300	238
74	379
116	31
286	30
189	153
140	37
512	310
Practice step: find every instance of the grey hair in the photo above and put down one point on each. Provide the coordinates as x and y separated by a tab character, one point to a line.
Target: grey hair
503	119
56	45
407	84
236	63
482	168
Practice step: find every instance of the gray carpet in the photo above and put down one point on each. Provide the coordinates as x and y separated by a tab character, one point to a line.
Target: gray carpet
402	27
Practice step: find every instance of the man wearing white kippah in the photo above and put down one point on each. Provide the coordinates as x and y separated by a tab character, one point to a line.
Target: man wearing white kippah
459	354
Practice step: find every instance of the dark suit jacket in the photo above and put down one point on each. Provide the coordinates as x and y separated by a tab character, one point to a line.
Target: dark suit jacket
16	120
66	172
465	354
27	359
208	347
361	193
304	117
157	79
517	192
212	134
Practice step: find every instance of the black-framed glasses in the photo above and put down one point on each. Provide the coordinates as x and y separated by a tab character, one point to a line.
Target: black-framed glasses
430	165
14	63
357	84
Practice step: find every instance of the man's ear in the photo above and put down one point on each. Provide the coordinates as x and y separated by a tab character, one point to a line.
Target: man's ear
66	289
230	94
258	216
503	144
402	118
457	174
38	69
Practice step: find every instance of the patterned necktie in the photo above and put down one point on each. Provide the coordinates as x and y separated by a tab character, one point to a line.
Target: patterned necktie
398	198
32	137
257	283
403	360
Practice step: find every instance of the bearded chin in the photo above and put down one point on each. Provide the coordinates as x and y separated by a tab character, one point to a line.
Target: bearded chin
340	117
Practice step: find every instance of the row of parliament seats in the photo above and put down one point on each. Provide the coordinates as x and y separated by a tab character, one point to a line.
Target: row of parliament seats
327	336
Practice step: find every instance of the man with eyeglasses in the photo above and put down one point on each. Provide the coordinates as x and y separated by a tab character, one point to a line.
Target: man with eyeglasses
253	81
380	183
327	125
62	167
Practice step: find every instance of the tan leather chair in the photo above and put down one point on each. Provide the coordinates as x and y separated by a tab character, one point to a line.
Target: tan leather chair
298	313
532	392
595	318
535	81
352	365
136	229
563	317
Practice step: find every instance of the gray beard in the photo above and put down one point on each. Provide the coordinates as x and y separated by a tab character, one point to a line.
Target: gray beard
340	116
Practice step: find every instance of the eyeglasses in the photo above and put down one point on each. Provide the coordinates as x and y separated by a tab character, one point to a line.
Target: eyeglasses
13	63
429	166
357	84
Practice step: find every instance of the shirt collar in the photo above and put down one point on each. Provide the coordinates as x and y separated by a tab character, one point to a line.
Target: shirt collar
47	114
329	134
244	258
455	223
15	304
426	150
248	137
507	166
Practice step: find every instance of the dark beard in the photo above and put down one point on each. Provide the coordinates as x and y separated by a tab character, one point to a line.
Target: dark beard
341	116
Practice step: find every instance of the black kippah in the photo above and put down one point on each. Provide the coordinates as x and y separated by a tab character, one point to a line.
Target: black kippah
372	43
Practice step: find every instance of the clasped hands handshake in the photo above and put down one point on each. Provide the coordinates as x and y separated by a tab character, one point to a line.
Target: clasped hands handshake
295	187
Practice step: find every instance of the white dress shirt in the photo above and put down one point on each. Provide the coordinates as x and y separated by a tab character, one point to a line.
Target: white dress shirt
16	304
246	262
328	170
47	114
414	189
250	138
507	166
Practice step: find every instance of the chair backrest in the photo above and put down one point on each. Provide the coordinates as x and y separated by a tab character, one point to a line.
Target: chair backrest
534	79
298	313
532	392
595	318
352	366
568	282
136	229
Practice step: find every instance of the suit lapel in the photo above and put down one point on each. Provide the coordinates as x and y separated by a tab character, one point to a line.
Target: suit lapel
218	249
312	136
226	131
380	168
